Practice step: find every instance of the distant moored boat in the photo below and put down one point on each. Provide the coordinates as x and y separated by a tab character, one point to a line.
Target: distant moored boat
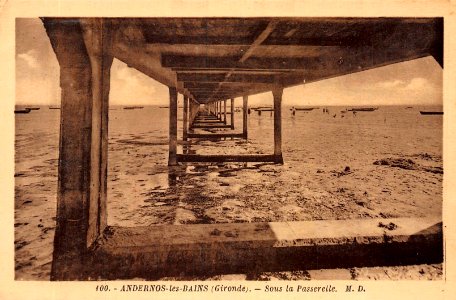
22	111
431	112
133	107
54	107
363	109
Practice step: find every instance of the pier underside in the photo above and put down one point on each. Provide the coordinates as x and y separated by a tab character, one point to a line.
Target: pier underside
212	61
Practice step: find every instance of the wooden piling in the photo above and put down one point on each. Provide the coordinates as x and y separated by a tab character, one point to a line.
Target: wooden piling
82	172
232	113
244	115
277	93
172	159
185	119
224	111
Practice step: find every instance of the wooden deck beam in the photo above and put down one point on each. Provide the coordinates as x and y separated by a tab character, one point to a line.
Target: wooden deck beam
154	252
256	63
214	135
234	78
209	126
226	158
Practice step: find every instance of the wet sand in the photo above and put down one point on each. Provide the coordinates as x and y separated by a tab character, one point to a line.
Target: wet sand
386	163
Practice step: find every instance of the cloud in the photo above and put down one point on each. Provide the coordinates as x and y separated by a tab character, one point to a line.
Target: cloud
391	84
133	87
30	58
418	84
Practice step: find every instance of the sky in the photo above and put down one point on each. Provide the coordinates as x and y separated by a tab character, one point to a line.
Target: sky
416	82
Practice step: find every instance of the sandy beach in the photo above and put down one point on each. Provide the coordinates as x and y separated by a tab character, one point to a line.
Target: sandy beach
381	164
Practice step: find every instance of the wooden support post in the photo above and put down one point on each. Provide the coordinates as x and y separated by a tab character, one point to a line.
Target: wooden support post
82	48
191	107
244	115
224	111
218	109
185	119
277	93
232	113
195	111
172	160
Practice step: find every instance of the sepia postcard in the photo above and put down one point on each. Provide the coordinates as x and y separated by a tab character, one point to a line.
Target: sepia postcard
200	149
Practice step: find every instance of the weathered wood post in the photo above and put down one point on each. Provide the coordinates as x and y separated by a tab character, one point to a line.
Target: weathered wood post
193	106
244	115
83	50
185	119
172	159
218	109
232	113
190	114
224	111
277	93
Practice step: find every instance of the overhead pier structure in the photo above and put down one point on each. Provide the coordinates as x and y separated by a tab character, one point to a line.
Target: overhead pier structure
208	61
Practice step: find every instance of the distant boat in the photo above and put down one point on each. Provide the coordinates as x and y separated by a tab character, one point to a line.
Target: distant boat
304	108
133	107
33	108
54	107
363	109
262	108
22	111
431	112
163	106
408	107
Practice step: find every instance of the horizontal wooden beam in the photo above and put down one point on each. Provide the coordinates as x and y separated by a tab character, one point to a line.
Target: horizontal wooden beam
215	135
223	85
208	121
247	78
202	62
154	252
199	40
202	90
226	158
243	41
208	126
